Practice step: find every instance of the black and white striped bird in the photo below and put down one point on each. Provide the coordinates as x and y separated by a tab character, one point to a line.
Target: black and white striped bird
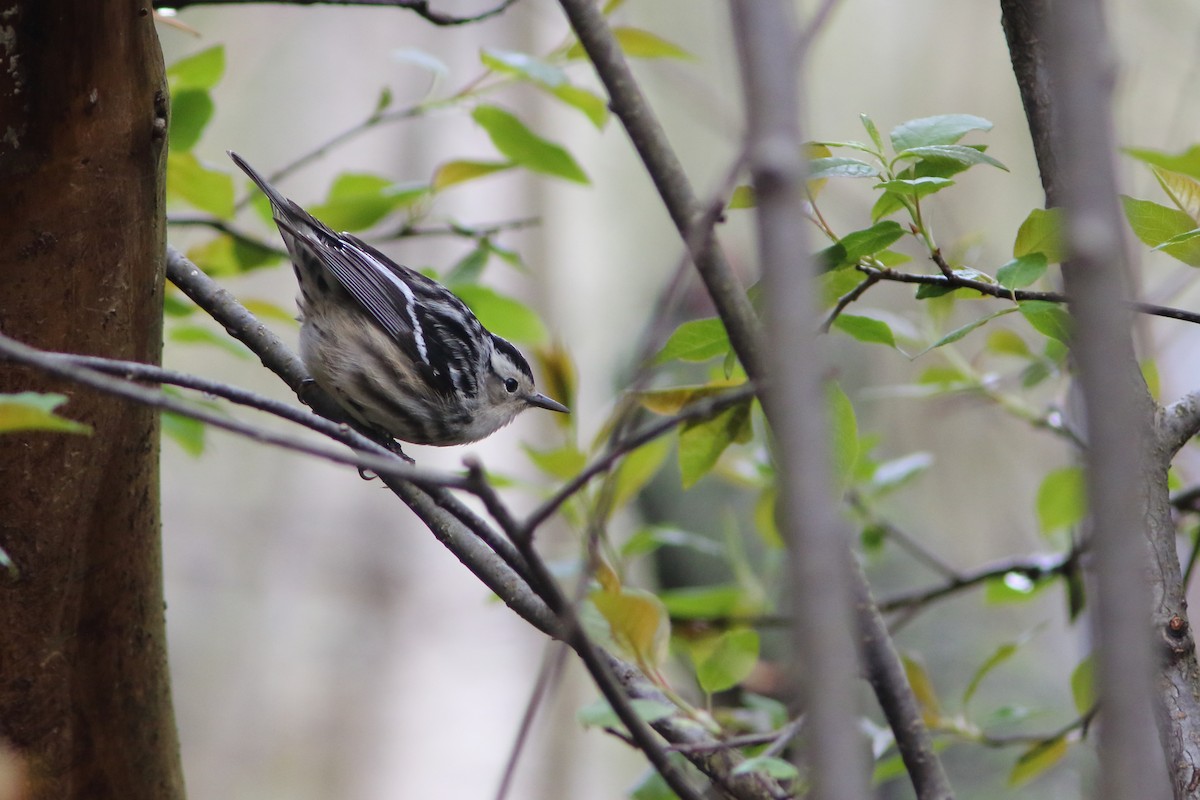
399	352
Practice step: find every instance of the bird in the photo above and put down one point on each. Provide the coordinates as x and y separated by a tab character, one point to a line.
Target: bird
400	354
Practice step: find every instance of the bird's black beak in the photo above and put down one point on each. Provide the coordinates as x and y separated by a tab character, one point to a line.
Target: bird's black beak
541	401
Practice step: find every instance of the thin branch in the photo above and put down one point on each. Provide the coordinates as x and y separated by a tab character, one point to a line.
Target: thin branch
662	164
61	365
954	281
1037	568
849	297
420	7
221	226
698	410
1080	723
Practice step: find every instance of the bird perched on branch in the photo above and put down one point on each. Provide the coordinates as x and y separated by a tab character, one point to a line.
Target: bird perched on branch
398	351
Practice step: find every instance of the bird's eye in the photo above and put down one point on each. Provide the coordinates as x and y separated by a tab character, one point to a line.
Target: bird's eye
510	385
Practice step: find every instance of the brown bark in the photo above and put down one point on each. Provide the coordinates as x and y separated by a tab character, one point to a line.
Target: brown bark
84	690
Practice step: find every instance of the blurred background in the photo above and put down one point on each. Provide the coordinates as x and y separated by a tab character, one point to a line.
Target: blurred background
324	645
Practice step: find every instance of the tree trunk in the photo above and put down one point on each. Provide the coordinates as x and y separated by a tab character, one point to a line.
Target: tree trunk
84	690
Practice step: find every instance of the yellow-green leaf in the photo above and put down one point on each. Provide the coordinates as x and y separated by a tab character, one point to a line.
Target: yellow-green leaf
503	316
922	686
201	70
524	147
637	468
1036	760
34	411
695	340
727	660
674	400
453	172
639	623
638	43
1183	190
1041	232
206	189
561	462
702	443
1061	500
844	429
1083	685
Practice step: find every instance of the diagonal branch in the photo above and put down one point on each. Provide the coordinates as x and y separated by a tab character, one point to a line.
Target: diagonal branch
420	7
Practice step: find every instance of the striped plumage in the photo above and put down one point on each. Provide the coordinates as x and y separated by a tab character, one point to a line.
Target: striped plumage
398	351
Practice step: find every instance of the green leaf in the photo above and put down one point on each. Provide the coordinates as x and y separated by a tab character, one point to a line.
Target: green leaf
639	623
1047	318
865	329
1187	162
1007	343
915	187
1061	500
34	411
206	189
453	172
357	201
940	130
922	687
1183	190
468	268
1001	654
675	399
561	462
1156	224
522	65
226	255
770	766
652	538
507	318
695	340
1036	760
1083	685
895	473
957	153
857	245
1041	232
958	333
1023	271
706	602
727	661
550	79
593	106
702	442
638	43
844	430
524	147
872	131
191	109
819	168
743	197
600	714
637	468
202	70
186	432
198	334
1180	239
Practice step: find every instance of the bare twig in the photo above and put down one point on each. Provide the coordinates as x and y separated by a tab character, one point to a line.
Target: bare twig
1036	568
849	297
698	410
420	7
